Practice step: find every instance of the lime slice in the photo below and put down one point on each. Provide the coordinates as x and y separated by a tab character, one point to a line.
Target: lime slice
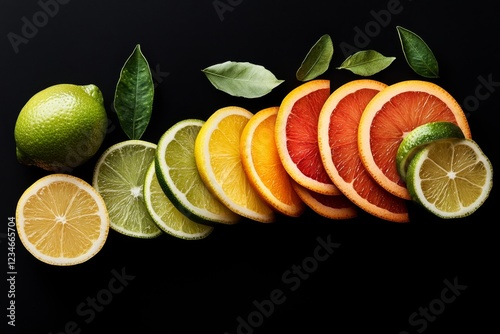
166	216
119	177
420	136
179	177
450	177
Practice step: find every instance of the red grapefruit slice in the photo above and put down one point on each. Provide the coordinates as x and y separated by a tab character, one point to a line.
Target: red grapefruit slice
338	145
296	135
393	113
329	206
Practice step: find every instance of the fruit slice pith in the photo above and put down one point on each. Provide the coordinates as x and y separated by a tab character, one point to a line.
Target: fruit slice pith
297	136
393	113
337	138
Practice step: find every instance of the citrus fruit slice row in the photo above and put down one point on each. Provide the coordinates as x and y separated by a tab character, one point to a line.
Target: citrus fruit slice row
450	177
329	206
417	138
263	166
179	177
297	136
119	177
62	220
166	215
218	159
391	115
338	144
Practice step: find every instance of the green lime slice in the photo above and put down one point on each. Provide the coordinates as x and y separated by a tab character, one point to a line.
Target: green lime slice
179	177
450	177
119	177
422	135
166	215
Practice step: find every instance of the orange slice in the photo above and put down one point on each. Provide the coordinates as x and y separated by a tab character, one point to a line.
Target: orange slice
329	206
338	145
218	159
297	136
263	166
392	114
62	220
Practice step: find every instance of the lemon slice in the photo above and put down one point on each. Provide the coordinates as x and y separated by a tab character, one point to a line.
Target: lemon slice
217	156
450	177
62	220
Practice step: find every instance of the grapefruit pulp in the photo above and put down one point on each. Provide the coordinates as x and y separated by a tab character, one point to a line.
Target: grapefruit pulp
394	112
296	134
338	144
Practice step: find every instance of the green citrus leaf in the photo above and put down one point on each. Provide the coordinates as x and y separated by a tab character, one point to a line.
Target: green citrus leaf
134	94
418	54
317	59
366	63
241	79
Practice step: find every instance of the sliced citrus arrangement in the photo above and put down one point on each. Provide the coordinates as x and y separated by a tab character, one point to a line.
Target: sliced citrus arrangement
62	220
391	115
297	136
218	159
119	177
450	177
419	137
263	166
338	146
166	215
179	177
329	206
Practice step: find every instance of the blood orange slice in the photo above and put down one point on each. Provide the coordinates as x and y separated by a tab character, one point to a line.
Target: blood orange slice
329	206
338	145
296	134
393	113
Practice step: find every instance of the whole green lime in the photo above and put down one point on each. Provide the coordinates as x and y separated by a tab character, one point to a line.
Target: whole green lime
61	127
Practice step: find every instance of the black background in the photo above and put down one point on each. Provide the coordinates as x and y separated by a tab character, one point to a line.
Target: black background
382	272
